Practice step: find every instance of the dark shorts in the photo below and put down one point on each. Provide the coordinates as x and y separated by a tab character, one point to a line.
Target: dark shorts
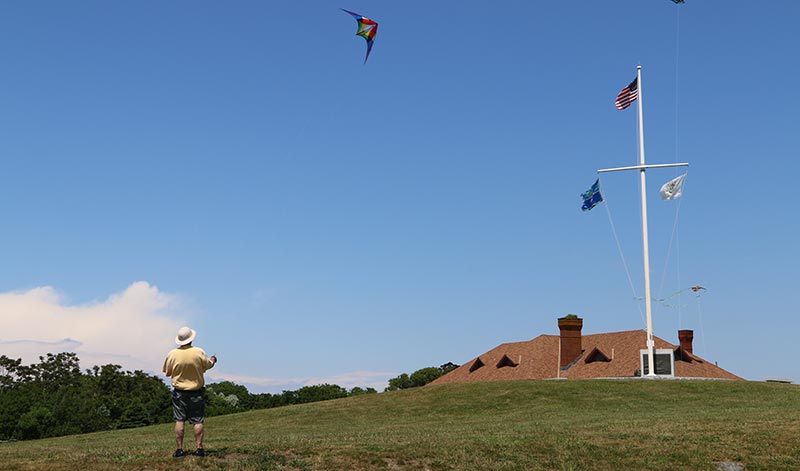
188	405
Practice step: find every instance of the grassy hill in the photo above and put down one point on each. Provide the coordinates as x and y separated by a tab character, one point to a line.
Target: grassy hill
522	425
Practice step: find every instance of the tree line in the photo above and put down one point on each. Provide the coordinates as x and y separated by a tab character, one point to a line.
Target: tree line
54	397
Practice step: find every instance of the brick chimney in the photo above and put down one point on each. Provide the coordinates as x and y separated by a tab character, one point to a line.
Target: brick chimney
570	328
685	337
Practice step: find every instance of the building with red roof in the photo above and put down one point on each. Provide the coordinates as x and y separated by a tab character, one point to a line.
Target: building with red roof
572	355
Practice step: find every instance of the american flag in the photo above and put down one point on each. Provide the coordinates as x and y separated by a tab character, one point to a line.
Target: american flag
628	95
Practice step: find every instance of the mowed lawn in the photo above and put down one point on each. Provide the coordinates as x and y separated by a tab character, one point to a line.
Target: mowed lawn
521	425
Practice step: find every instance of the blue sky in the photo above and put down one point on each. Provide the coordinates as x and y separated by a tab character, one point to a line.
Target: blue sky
237	168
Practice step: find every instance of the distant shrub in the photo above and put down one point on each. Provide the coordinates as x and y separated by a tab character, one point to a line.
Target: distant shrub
421	377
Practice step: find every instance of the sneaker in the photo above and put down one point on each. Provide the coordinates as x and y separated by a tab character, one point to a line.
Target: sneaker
199	452
179	453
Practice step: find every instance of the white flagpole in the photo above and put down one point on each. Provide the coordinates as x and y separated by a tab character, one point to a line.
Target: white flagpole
645	242
642	167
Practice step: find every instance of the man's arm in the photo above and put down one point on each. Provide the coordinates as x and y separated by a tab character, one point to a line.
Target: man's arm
167	368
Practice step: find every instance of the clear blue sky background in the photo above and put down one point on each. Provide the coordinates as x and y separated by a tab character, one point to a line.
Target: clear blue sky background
318	217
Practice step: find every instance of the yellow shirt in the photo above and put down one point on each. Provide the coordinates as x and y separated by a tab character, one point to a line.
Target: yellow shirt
186	365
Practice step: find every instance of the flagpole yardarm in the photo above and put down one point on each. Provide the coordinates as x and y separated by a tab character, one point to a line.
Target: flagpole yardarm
642	167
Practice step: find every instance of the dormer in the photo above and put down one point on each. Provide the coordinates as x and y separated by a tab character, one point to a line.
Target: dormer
596	355
505	361
476	364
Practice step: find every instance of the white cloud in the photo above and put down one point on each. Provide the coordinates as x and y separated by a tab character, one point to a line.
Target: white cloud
134	328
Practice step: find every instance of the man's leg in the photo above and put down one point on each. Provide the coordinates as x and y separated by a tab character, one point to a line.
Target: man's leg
179	434
198	435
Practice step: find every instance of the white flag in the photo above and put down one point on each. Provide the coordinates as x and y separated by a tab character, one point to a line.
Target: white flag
673	188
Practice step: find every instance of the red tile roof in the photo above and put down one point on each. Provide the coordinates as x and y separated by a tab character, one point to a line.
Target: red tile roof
538	359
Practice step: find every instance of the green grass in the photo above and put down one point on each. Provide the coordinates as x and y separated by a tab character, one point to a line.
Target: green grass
522	425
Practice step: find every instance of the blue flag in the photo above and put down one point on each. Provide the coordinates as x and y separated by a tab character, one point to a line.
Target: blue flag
592	196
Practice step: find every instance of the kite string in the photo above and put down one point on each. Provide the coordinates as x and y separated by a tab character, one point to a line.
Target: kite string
677	75
678	264
673	237
622	256
702	331
680	200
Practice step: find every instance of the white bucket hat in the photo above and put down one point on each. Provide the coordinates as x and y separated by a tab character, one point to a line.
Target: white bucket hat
185	336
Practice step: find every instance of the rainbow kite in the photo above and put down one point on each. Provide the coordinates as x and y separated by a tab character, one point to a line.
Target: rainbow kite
367	29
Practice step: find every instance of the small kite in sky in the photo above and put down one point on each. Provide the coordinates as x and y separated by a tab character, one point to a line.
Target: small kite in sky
668	301
367	29
678	1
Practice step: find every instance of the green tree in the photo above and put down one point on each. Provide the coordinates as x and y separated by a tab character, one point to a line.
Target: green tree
53	398
35	423
400	382
243	397
221	404
265	400
424	376
14	400
126	398
421	377
8	371
288	398
320	392
53	393
357	391
56	371
134	415
448	367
